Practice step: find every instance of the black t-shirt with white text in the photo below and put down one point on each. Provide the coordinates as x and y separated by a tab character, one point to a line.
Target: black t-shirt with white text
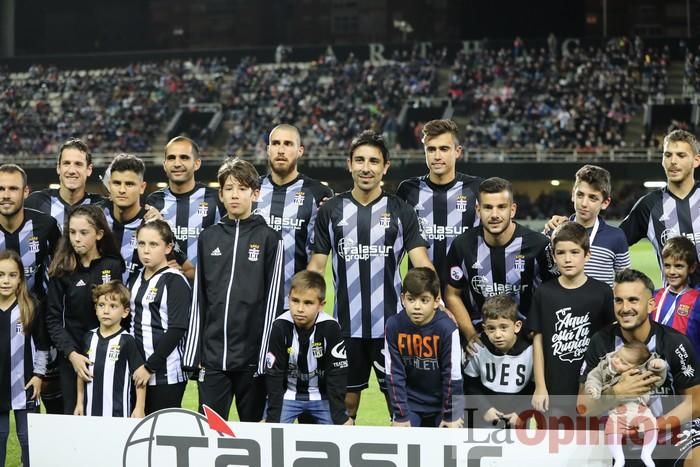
567	319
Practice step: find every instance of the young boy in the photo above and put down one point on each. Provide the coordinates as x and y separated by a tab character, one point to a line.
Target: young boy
566	312
306	362
676	304
238	292
608	244
423	357
502	367
114	356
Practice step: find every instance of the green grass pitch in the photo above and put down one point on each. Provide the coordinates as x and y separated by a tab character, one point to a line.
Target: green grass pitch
373	409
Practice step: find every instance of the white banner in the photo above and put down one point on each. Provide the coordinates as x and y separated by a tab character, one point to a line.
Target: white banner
181	438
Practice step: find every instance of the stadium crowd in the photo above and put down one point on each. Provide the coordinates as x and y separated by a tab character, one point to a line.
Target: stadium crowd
525	97
536	99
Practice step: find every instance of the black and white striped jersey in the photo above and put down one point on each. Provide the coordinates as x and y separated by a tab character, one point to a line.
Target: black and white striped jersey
368	244
21	357
113	360
125	235
660	215
188	214
444	212
237	294
291	210
160	308
306	365
35	241
50	202
515	269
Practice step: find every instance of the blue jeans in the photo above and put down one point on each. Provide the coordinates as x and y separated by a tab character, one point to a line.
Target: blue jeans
318	410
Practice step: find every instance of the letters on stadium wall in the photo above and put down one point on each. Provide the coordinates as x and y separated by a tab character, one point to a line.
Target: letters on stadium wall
182	438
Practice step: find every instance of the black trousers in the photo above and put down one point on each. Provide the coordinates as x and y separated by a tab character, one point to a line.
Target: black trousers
218	389
164	396
69	387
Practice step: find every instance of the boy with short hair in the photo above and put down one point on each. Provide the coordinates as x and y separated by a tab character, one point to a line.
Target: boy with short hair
423	357
306	362
608	244
238	290
676	305
114	356
565	313
502	366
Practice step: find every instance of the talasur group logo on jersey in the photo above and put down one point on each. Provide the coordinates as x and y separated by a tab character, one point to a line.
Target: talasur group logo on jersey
439	232
483	286
299	198
33	244
667	234
203	209
348	249
253	252
279	223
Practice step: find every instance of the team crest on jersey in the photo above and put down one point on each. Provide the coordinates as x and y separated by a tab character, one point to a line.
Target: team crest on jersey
253	252
299	198
113	353
33	244
133	241
683	309
106	276
151	294
519	263
385	220
317	349
203	209
19	329
461	203
269	360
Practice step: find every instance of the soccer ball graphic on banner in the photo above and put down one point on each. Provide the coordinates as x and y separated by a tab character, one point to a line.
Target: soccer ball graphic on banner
154	442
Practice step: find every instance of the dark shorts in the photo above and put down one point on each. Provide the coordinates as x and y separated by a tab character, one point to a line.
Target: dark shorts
363	355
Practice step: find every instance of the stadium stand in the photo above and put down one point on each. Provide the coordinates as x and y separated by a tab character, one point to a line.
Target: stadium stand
523	98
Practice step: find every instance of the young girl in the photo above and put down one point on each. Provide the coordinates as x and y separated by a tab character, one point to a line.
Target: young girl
160	304
87	255
23	353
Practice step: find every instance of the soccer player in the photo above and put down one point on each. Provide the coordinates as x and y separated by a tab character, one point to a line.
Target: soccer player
609	249
289	200
369	232
237	294
312	378
633	292
187	205
32	234
125	214
670	211
498	257
565	312
74	166
114	356
423	357
444	199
